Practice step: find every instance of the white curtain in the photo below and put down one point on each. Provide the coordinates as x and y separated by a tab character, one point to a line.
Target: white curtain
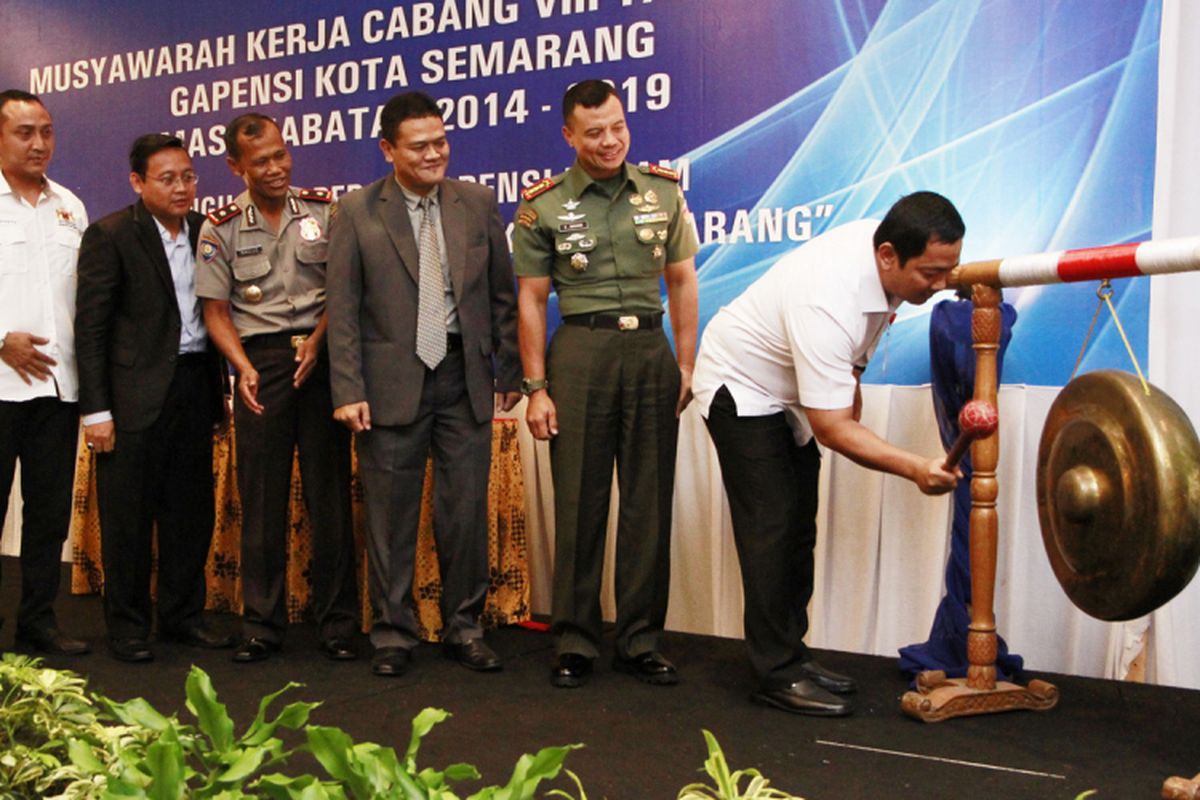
1173	632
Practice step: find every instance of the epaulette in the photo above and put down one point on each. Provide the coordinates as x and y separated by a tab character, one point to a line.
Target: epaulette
316	195
224	214
539	188
662	172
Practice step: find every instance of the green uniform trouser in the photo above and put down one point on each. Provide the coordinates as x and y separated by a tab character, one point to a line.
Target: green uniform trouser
615	394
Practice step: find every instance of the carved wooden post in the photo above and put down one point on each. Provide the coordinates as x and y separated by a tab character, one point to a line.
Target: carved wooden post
985	452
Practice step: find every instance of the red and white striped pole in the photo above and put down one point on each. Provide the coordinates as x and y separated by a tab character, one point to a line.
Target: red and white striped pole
1087	264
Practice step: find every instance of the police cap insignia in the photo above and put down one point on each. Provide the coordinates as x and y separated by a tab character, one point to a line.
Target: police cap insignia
539	188
224	214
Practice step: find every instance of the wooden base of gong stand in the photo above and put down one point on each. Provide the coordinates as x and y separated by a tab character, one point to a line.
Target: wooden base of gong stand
1181	789
939	698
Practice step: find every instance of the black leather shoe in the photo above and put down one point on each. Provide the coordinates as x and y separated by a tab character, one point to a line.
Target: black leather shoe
803	697
390	662
571	671
473	654
52	641
827	680
649	668
199	636
255	649
338	648
131	649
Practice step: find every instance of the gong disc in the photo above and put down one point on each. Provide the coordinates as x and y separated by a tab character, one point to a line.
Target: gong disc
1118	489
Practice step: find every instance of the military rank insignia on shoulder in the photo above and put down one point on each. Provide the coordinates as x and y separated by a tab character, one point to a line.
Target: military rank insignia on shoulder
316	195
662	172
224	214
538	189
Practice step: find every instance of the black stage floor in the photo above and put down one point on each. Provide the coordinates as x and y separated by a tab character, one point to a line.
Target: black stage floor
644	742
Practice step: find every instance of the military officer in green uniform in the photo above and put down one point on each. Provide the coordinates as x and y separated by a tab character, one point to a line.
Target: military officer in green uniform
608	389
262	277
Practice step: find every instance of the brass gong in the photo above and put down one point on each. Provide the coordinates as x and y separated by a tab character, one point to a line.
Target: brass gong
1118	489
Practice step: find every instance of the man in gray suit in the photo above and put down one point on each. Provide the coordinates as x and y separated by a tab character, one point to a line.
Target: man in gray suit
422	334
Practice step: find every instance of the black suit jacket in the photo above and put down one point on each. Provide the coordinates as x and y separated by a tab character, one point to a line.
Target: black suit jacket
127	321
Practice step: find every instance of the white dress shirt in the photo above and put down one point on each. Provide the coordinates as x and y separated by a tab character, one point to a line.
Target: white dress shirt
794	337
39	246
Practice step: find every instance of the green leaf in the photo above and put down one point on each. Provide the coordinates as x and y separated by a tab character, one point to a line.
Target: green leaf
139	713
293	716
83	756
422	724
211	715
462	772
334	749
245	765
165	762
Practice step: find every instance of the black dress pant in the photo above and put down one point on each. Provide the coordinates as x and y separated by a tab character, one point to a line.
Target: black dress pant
771	483
162	474
293	418
43	434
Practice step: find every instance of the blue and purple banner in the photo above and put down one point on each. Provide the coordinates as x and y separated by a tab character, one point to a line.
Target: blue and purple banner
785	117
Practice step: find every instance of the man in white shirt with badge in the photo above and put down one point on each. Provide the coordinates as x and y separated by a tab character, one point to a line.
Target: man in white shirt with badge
40	226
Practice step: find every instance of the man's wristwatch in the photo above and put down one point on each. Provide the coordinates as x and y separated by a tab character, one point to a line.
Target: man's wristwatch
531	385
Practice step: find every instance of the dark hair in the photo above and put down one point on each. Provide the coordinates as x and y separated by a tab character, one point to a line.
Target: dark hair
409	105
915	219
146	146
252	125
17	96
589	94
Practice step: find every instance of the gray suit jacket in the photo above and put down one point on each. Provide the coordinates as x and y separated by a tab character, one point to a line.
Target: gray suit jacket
371	299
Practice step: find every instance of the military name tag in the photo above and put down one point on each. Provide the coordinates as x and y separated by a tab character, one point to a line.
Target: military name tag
649	219
249	251
573	226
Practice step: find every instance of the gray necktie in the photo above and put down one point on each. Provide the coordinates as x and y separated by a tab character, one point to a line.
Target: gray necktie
431	293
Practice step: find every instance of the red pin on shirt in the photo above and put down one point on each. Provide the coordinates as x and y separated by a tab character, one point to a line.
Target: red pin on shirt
977	419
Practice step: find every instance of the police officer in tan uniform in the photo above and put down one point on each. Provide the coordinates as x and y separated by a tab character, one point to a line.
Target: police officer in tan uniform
609	390
262	277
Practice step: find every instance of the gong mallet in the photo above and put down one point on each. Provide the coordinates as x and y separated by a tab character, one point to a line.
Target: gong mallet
977	420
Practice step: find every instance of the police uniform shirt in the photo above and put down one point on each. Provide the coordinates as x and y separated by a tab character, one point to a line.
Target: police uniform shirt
39	247
794	337
274	282
604	253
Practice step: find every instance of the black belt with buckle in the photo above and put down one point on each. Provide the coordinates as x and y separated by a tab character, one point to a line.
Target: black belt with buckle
292	339
616	322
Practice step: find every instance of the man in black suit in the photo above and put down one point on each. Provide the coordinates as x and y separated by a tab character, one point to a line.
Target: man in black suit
150	395
422	340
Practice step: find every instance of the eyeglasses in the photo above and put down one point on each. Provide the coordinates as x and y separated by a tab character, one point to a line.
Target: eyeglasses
170	179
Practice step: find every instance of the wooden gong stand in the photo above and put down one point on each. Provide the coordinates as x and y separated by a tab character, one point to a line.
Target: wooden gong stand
938	697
